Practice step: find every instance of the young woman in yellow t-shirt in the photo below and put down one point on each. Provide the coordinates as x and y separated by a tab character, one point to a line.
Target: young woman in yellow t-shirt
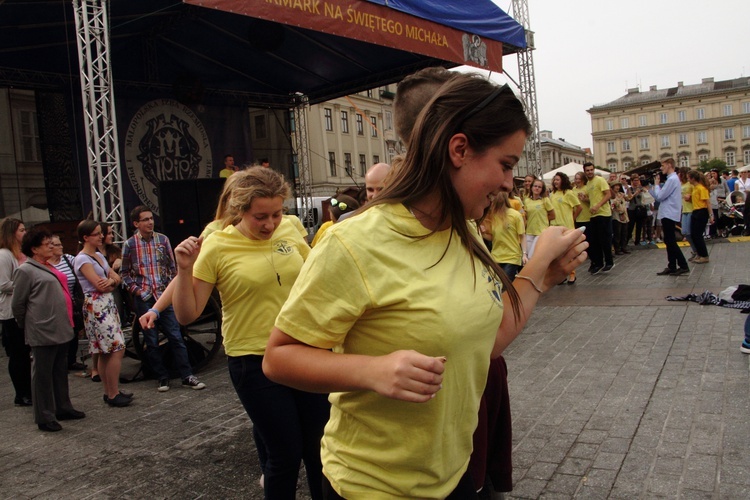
699	218
567	207
539	213
409	362
254	266
508	236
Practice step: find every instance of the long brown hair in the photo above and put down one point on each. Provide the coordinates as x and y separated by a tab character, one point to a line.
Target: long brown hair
255	182
486	114
8	239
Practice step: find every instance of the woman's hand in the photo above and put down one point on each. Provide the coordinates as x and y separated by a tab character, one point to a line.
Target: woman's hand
562	250
148	320
186	253
407	376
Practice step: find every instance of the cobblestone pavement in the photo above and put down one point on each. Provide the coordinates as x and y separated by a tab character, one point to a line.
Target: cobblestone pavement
615	393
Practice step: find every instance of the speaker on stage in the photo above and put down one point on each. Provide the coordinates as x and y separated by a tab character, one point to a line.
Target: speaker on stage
186	206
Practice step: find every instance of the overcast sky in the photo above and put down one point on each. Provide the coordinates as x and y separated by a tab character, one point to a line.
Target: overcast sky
591	51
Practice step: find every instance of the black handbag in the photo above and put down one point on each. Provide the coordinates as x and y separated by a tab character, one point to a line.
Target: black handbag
641	211
77	300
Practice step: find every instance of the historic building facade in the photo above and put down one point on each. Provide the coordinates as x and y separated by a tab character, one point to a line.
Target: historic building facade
559	152
690	123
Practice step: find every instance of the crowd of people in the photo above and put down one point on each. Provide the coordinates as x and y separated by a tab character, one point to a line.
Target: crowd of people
355	356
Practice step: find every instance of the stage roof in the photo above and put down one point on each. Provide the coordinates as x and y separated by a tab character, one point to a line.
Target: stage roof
260	52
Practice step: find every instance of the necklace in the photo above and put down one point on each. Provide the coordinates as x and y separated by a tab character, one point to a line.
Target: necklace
278	277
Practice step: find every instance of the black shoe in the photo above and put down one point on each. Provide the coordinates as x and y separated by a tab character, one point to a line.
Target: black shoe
608	268
77	366
625	250
71	415
595	269
22	401
665	272
682	270
50	427
128	395
96	378
118	401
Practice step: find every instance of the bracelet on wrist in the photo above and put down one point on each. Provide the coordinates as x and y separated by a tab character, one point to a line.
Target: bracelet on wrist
530	281
158	315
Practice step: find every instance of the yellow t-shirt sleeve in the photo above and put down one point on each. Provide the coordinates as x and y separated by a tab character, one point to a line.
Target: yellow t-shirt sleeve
320	311
205	267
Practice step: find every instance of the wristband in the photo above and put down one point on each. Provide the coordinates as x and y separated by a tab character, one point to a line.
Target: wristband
530	281
151	309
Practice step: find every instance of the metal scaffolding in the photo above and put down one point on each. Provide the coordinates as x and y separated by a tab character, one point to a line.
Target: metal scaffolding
92	37
304	189
532	152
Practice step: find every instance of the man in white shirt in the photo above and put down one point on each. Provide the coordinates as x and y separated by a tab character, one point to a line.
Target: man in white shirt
670	212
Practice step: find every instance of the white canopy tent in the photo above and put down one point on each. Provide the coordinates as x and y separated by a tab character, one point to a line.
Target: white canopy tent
570	170
31	216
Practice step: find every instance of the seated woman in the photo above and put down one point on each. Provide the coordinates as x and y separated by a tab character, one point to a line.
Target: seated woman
43	308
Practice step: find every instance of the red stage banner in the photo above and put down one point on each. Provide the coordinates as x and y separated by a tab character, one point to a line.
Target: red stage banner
372	23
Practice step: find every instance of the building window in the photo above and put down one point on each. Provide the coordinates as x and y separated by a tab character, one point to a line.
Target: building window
727	110
626	145
626	165
700	114
360	126
345	122
665	141
611	147
348	164
363	165
682	139
729	155
663	118
644	142
746	107
612	166
702	157
645	162
624	122
609	124
728	134
369	93
329	119
701	137
28	136
681	116
375	159
374	120
746	131
642	121
746	157
260	126
388	120
332	163
684	161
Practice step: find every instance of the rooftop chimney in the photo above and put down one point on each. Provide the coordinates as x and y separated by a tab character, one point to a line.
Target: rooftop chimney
680	84
708	80
634	90
652	88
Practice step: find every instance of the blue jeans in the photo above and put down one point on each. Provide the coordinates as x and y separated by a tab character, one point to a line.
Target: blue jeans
511	270
290	423
687	217
171	328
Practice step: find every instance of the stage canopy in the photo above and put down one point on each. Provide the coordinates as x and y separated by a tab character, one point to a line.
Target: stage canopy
260	52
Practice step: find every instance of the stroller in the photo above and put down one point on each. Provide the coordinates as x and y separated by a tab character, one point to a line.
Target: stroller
731	221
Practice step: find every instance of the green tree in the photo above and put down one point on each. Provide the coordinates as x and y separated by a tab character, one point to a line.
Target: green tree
715	163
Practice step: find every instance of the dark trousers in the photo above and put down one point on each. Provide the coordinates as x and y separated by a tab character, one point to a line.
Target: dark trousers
698	221
464	491
19	358
620	235
171	328
600	240
511	270
631	224
674	254
290	423
49	376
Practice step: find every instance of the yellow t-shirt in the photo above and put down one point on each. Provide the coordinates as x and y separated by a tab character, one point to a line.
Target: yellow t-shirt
585	214
564	203
225	172
687	206
537	219
506	248
595	189
254	278
297	224
515	203
321	231
372	287
700	197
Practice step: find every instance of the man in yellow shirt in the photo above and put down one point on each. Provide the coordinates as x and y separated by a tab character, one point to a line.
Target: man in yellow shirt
600	226
229	167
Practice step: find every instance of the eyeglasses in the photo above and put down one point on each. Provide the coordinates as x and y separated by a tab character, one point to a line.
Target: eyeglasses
146	219
56	244
336	203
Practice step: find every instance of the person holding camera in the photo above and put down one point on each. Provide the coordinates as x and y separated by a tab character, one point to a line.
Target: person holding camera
670	213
